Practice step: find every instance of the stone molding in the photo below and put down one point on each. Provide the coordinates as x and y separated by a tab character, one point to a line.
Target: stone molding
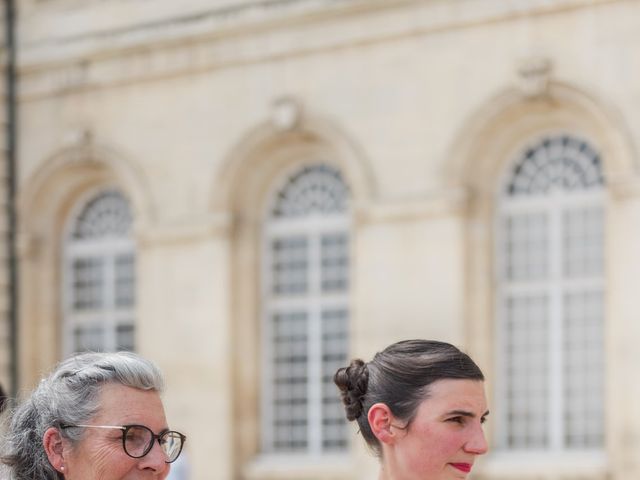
83	161
222	38
448	202
267	150
507	121
623	188
189	230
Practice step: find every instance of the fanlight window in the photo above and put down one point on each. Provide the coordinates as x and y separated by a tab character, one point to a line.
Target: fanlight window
316	190
100	277
551	299
306	288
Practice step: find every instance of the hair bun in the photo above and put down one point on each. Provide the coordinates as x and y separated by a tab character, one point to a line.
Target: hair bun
353	382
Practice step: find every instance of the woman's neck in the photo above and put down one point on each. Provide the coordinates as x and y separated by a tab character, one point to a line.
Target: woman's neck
384	474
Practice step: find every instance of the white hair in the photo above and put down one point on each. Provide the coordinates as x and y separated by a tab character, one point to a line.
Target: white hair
69	395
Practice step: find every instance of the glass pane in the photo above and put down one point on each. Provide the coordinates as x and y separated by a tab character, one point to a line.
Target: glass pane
317	189
290	377
335	345
527	370
125	337
583	242
584	369
290	266
526	246
125	280
559	163
88	283
106	215
89	337
335	262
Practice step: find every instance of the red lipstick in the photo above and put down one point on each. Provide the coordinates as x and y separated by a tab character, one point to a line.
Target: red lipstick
463	467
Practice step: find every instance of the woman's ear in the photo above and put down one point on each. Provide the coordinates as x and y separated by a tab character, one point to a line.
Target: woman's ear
381	420
54	448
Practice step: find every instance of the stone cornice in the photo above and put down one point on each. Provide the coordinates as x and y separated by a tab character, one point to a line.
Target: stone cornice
254	32
449	202
250	17
185	231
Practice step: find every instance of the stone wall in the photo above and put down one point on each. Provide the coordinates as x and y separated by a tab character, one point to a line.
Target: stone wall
195	111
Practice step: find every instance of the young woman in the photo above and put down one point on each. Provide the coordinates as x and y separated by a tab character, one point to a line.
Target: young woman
420	406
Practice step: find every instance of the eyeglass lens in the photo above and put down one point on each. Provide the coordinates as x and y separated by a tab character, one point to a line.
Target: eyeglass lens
138	441
171	443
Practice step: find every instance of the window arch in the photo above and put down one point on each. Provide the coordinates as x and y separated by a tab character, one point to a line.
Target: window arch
306	313
99	276
551	299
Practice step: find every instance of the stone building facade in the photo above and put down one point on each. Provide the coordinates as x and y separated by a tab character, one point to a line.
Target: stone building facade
250	192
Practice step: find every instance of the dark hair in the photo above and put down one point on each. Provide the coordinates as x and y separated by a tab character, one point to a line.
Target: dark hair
3	399
399	377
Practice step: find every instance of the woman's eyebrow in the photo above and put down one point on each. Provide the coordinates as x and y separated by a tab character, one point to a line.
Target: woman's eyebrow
465	413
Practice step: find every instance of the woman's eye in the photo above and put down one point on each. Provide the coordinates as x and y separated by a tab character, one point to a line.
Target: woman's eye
459	420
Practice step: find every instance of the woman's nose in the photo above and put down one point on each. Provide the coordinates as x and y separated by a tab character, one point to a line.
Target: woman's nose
155	460
477	444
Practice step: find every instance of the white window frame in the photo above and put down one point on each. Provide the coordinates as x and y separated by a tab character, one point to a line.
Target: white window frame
554	286
312	227
108	250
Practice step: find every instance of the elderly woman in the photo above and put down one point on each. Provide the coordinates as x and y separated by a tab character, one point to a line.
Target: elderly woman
97	416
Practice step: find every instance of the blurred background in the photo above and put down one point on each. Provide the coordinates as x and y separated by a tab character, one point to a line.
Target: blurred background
252	192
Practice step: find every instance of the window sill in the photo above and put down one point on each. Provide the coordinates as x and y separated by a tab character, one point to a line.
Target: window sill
534	465
300	467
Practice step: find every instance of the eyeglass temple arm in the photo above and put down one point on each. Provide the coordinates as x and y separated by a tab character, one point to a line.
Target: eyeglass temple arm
113	427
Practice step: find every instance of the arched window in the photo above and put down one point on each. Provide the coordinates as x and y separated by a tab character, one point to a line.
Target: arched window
550	299
306	313
99	276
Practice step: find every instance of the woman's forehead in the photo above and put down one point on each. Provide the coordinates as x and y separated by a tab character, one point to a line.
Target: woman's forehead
457	393
129	405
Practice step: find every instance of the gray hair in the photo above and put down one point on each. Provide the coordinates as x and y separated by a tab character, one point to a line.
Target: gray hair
69	395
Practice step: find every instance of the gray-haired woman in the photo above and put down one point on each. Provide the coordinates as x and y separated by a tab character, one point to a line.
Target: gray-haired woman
98	416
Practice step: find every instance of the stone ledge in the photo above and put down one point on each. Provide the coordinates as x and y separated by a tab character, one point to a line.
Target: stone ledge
448	202
184	231
212	40
300	467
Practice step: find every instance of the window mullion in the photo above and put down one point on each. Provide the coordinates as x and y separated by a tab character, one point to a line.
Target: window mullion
502	356
315	348
108	297
268	389
556	340
68	300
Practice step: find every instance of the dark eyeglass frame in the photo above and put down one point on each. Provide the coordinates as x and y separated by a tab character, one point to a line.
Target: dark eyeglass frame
125	429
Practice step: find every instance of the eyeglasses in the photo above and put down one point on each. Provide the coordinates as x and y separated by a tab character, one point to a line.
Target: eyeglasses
137	440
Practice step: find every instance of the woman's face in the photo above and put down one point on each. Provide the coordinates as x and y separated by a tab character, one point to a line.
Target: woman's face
100	455
444	438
